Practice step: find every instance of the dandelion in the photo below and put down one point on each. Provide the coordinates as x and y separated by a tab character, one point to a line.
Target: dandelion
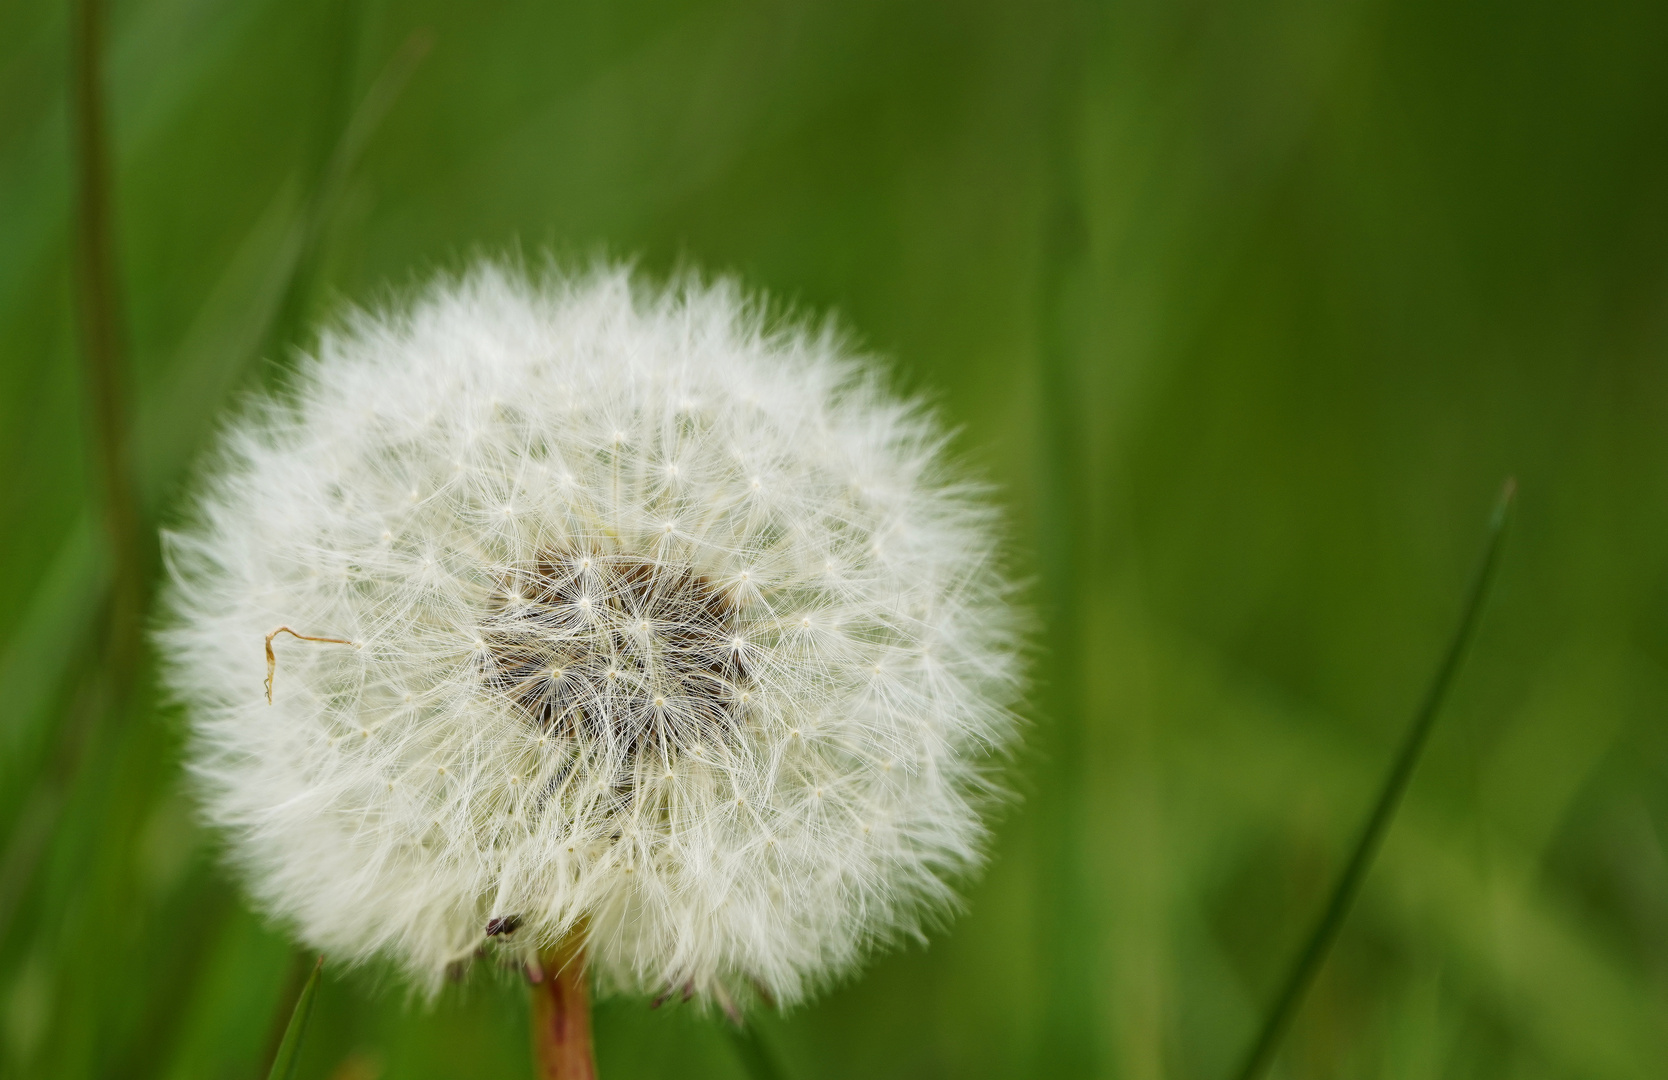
629	631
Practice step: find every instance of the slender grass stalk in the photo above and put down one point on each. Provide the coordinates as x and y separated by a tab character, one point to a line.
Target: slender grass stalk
562	1014
289	1050
1066	1041
1325	932
103	334
296	973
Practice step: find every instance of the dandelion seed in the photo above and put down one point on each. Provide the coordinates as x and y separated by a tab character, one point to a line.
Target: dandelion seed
626	647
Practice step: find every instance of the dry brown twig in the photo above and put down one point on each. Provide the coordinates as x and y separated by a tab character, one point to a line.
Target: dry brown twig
272	658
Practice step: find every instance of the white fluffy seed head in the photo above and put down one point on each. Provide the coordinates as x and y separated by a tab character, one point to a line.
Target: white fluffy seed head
667	628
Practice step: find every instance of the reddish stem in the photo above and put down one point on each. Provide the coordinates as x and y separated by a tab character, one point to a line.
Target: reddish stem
562	1016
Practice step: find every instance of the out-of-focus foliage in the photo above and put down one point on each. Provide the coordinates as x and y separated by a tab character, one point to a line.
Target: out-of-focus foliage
1248	307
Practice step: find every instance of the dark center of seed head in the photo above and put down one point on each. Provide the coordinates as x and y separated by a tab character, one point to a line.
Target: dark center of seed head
618	651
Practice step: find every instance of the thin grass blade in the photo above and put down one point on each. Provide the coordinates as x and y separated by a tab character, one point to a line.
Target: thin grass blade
754	1055
283	1063
1325	932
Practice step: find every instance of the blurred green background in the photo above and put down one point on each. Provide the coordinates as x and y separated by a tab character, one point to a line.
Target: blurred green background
1248	307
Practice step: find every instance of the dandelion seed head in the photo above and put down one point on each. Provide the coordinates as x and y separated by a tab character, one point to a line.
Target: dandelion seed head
606	560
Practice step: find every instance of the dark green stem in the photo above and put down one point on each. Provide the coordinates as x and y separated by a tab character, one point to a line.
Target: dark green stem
103	343
1066	1044
1320	940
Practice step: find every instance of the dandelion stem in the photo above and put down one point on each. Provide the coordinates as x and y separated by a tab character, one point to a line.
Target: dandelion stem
1325	932
562	1015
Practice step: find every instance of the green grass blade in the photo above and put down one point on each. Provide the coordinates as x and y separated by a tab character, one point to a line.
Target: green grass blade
104	335
1320	939
753	1054
283	1062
